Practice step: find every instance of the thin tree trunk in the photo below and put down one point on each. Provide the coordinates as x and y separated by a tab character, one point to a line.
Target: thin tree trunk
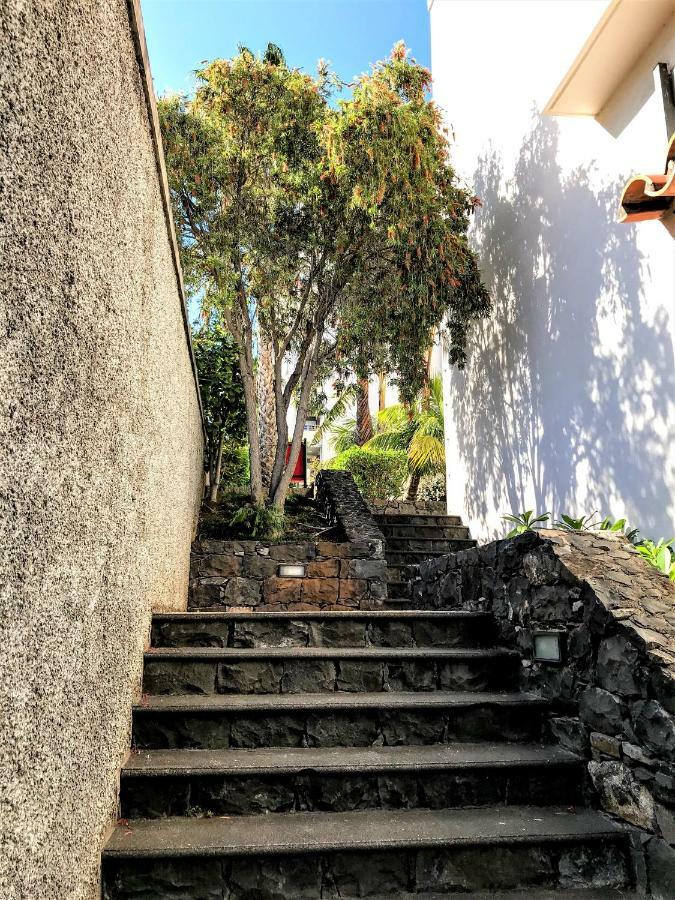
413	487
266	409
214	486
281	490
248	379
364	421
381	391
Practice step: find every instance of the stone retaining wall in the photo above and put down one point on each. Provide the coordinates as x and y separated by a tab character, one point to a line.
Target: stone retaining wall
408	507
613	694
243	575
347	571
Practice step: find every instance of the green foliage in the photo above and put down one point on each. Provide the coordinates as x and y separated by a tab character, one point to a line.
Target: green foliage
379	474
659	554
418	430
524	521
235	470
217	359
619	527
581	523
259	521
342	429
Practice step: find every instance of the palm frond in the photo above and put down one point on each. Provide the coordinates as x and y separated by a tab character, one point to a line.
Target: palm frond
337	412
426	453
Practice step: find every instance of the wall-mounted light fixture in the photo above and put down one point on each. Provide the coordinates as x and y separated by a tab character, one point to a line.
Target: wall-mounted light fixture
291	571
548	646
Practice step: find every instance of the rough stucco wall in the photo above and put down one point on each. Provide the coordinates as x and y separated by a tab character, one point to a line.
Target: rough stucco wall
100	435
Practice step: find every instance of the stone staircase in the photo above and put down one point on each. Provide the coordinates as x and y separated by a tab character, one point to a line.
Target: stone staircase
335	754
410	539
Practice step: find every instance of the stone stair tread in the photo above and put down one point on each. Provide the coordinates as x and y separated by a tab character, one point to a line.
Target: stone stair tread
233	654
531	894
311	832
338	700
217	615
344	759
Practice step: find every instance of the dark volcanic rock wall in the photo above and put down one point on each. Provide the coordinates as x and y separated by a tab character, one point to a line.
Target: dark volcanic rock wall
613	694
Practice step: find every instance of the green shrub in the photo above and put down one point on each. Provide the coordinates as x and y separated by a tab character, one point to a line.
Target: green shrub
379	474
235	466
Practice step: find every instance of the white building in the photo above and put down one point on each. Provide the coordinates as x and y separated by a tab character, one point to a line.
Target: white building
568	401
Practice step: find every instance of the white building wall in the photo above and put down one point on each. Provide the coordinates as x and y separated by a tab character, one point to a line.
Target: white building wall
568	401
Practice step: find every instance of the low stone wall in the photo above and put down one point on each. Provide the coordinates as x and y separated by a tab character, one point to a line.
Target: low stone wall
243	575
613	694
408	507
347	572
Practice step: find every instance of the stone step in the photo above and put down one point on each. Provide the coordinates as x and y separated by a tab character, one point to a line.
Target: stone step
402	603
291	670
399	588
359	719
418	519
422	544
376	628
358	854
411	557
425	532
246	782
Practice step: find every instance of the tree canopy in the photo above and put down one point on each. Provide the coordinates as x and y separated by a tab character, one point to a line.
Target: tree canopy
328	238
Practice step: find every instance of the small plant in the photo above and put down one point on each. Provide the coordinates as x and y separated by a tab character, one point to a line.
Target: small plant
583	523
659	555
619	527
524	521
259	521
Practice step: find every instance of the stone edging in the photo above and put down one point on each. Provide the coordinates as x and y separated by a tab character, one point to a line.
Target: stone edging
341	502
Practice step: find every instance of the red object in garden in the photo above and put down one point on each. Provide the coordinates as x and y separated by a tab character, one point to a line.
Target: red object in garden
300	472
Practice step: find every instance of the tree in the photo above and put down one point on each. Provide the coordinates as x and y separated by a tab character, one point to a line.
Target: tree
327	238
418	429
222	393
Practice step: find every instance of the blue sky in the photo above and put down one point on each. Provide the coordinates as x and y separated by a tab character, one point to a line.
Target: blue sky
352	34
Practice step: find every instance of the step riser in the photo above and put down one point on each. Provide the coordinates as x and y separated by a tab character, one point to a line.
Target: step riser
400	519
382	873
314	676
358	728
322	633
429	533
421	543
316	791
396	558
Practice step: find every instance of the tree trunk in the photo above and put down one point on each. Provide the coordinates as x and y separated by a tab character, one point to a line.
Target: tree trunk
413	487
266	409
381	391
214	485
281	489
364	421
248	379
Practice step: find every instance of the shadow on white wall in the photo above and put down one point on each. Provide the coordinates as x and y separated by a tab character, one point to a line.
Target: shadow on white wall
564	403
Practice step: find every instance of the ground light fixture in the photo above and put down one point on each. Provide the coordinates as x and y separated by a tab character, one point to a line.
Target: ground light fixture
548	646
291	571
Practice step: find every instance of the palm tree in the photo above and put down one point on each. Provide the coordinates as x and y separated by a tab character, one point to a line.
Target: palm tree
418	429
336	423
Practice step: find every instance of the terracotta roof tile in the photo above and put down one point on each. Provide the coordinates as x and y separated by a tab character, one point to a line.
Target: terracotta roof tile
650	196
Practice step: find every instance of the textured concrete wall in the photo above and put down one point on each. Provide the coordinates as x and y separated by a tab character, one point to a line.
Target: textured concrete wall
100	434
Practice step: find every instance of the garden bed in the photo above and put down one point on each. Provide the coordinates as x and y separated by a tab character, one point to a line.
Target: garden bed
303	521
